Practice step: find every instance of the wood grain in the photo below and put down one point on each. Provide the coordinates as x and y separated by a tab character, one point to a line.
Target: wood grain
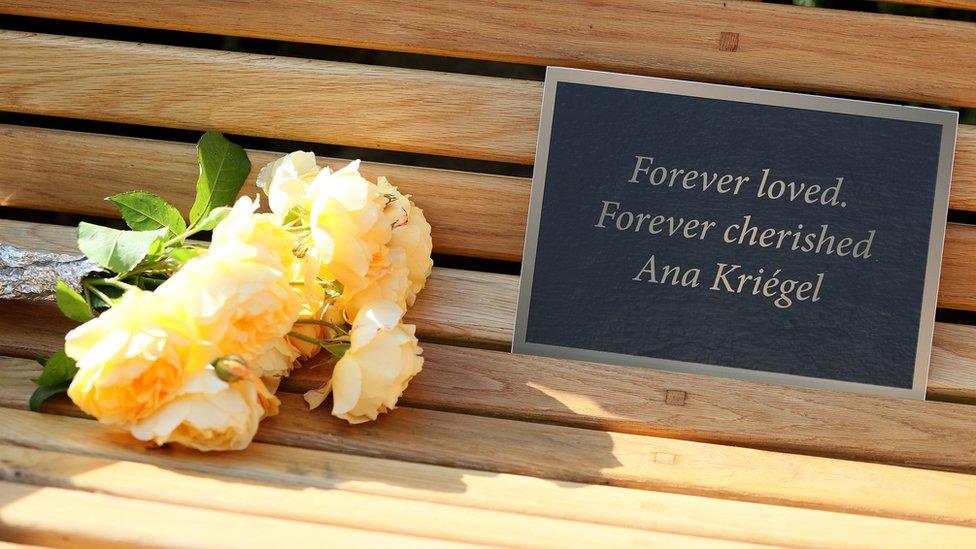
503	449
365	106
463	207
329	505
952	375
355	510
70	518
458	306
276	97
825	51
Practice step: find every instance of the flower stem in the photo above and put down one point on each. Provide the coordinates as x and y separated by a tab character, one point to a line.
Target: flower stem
316	341
329	325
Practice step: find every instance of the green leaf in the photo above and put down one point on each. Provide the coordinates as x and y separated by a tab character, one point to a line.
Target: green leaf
145	211
118	251
72	304
213	218
57	369
45	392
223	169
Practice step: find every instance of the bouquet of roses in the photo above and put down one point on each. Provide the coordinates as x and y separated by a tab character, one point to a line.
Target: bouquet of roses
183	341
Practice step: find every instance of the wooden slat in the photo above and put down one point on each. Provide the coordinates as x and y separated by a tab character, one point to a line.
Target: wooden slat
71	518
464	207
633	400
357	510
829	51
413	110
395	515
963	191
957	285
278	97
952	374
672	466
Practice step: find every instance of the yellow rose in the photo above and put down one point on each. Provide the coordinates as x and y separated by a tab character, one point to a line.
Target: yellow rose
286	180
248	236
208	413
275	363
383	357
242	307
388	280
398	272
348	227
134	357
411	233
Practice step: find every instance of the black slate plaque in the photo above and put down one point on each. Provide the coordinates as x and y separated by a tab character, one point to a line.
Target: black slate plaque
746	233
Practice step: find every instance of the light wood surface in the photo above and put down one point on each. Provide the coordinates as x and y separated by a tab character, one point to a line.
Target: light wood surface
358	510
277	97
694	469
71	518
464	207
828	51
358	105
388	514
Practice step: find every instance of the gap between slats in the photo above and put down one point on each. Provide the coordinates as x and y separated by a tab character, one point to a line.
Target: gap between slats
778	46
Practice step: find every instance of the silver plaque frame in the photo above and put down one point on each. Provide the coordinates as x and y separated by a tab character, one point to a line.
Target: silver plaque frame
947	119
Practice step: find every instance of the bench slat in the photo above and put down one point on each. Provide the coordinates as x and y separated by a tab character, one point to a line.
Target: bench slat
659	403
154	475
277	97
354	510
464	207
98	520
466	307
624	460
778	46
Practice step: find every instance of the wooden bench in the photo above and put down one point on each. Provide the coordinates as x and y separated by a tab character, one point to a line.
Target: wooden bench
488	447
